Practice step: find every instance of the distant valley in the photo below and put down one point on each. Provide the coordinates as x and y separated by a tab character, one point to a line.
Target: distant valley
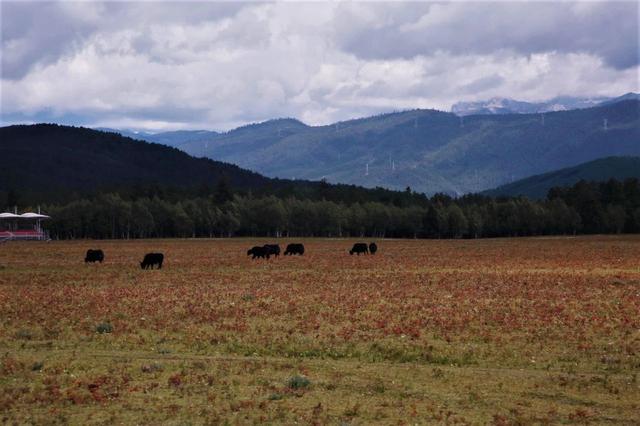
174	139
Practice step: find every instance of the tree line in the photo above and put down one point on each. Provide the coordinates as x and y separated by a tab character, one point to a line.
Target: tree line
586	207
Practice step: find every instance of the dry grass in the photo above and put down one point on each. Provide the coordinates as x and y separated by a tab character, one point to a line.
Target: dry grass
473	332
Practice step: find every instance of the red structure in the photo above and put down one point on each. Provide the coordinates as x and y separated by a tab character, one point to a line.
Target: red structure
26	226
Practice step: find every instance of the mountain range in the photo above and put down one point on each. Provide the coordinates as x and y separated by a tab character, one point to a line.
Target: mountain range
511	106
430	151
489	107
601	170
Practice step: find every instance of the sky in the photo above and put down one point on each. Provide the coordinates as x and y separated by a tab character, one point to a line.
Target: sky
160	66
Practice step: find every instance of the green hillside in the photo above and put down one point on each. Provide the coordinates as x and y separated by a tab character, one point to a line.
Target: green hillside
430	151
48	162
600	170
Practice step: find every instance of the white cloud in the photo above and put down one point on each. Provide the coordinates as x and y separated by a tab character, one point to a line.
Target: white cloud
162	66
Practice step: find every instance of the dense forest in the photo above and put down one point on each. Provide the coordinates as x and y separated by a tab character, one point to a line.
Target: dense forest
586	207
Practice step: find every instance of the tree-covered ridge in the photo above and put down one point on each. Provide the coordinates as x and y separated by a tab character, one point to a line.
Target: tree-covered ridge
75	158
586	207
599	170
47	163
430	151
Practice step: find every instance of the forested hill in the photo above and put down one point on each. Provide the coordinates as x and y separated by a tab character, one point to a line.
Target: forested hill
430	151
53	163
600	170
53	156
102	185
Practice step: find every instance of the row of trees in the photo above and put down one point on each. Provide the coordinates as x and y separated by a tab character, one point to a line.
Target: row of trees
611	207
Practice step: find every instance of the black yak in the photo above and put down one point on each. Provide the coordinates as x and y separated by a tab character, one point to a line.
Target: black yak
373	248
359	248
94	256
294	249
258	251
274	249
152	259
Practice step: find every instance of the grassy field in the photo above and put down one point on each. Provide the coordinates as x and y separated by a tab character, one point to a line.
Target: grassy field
507	331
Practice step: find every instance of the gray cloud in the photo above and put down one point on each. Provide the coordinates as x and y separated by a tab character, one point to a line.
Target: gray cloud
215	65
607	29
38	33
482	84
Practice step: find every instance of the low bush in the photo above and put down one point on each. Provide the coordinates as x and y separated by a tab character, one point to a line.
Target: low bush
298	382
104	327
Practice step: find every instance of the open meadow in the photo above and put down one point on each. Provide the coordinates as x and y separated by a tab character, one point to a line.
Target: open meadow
503	331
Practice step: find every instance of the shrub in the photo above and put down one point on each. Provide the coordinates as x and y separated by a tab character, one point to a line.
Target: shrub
151	368
276	397
24	334
175	380
104	327
378	386
298	382
353	411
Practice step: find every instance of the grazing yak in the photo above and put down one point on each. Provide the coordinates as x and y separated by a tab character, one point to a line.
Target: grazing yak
274	249
94	256
359	248
294	249
151	259
257	251
373	248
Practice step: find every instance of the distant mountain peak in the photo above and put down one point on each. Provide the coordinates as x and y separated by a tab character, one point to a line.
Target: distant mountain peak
498	105
285	121
626	97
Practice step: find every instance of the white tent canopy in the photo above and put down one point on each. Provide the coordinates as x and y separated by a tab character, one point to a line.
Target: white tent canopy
28	215
31	215
25	226
9	216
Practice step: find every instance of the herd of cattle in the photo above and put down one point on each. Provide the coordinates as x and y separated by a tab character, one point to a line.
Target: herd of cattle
150	259
265	252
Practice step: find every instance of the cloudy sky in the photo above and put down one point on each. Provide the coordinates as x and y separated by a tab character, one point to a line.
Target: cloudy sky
164	66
